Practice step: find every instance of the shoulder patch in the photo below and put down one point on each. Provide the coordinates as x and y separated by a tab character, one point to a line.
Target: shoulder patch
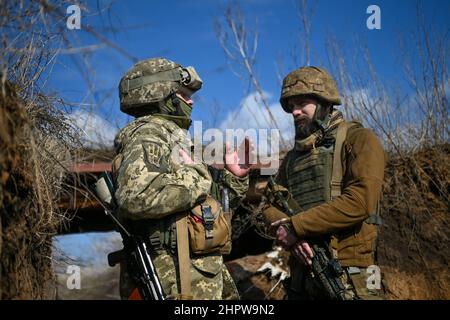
153	155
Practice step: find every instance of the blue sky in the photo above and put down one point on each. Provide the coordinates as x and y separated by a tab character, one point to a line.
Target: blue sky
183	31
85	249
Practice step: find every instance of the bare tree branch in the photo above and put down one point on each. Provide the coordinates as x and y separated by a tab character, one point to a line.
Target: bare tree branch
238	52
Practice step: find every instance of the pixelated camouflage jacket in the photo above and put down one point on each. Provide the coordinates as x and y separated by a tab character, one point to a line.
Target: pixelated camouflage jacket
150	183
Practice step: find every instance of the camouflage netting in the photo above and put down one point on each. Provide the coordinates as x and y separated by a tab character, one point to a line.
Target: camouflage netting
30	182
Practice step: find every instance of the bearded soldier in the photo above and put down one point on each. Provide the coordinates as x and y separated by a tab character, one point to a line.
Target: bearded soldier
334	175
164	195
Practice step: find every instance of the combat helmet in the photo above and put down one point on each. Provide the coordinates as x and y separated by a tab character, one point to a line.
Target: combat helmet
149	82
313	81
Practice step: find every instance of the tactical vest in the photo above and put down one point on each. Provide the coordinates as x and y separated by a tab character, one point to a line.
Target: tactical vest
314	177
309	173
309	176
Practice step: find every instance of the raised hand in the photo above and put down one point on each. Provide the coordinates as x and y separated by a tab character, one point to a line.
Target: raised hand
233	163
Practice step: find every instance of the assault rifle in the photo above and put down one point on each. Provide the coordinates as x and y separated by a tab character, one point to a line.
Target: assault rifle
134	252
325	268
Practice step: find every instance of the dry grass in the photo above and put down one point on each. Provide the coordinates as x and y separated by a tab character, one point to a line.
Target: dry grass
413	248
37	143
30	184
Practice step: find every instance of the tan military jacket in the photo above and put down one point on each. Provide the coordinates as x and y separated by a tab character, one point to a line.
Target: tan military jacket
343	217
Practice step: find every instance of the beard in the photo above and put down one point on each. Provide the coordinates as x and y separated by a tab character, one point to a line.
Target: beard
304	127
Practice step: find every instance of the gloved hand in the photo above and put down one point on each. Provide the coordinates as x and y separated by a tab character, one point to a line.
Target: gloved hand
288	240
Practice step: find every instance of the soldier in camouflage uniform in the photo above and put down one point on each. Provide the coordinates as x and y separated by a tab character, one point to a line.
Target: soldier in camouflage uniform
153	187
334	173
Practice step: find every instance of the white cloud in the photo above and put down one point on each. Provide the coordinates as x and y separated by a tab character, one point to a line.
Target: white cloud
95	130
252	114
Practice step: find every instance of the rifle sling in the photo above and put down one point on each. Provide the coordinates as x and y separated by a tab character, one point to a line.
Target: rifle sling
183	258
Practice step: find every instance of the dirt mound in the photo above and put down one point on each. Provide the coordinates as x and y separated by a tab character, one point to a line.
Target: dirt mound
28	188
414	239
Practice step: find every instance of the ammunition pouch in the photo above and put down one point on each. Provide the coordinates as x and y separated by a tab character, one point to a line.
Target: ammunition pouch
208	228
